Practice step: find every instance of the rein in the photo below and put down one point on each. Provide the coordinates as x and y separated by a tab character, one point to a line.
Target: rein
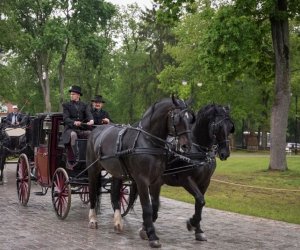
78	175
139	151
207	153
154	151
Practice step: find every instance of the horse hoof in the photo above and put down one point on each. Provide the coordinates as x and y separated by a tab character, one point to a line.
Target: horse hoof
200	236
93	224
154	244
118	228
1	182
143	234
189	226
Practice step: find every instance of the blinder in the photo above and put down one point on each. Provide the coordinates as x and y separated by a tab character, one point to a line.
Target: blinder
175	117
214	127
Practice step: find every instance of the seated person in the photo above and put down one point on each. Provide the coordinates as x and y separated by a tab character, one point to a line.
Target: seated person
14	118
100	116
75	112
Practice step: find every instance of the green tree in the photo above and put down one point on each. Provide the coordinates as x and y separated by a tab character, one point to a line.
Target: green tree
45	29
278	14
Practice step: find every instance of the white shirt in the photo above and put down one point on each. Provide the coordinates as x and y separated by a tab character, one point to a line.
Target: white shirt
14	118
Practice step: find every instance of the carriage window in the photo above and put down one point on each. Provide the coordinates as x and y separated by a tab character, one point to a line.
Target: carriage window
47	125
42	137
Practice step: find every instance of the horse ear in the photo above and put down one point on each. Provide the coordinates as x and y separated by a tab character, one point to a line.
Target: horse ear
227	108
189	101
175	101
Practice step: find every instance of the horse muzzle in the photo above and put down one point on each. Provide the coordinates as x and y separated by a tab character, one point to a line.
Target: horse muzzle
185	144
223	155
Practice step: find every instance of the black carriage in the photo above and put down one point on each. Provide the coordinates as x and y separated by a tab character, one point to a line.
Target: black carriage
48	169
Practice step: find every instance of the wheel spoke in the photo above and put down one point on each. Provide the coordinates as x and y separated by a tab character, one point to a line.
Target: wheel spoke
61	193
23	179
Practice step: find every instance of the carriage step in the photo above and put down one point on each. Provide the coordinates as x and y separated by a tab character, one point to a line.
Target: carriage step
40	193
43	192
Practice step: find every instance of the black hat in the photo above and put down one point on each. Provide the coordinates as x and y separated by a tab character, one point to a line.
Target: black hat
98	98
75	89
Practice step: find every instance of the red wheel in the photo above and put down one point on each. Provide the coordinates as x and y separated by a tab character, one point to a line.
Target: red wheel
61	193
23	179
84	194
128	195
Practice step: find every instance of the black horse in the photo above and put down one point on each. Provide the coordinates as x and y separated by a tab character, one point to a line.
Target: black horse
14	145
139	153
193	170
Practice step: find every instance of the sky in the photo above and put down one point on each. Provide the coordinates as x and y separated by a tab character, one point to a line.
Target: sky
141	3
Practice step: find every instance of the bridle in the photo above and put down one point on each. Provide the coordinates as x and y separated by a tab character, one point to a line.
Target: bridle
174	118
213	128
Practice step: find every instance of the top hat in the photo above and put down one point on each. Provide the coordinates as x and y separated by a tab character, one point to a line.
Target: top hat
75	89
15	107
98	98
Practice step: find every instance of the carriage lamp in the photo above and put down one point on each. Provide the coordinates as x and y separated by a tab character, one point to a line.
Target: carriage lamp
47	124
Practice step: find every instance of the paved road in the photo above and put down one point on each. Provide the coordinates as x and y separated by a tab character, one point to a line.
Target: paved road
36	226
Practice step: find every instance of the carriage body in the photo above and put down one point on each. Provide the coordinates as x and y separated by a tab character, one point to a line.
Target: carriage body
48	151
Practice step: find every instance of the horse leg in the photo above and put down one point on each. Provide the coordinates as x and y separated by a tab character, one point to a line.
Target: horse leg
147	214
1	169
3	156
94	184
154	194
116	185
194	222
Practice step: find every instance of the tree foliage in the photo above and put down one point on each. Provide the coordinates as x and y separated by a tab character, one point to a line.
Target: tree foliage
223	50
236	52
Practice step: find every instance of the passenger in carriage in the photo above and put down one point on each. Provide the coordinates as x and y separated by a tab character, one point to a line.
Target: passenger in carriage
100	116
75	113
14	118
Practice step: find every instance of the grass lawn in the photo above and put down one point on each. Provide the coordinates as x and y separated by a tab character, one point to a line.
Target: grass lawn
267	194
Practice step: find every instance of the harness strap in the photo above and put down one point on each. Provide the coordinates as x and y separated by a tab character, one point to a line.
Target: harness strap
101	139
183	168
119	139
137	151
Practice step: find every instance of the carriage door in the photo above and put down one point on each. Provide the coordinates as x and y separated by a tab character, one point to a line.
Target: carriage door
41	153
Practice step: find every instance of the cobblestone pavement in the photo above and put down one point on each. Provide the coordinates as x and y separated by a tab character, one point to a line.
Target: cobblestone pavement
37	227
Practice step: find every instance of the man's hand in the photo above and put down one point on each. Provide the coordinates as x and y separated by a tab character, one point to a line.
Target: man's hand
91	122
105	121
77	123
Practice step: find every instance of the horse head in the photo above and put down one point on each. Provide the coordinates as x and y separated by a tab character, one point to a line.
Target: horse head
219	131
170	117
212	128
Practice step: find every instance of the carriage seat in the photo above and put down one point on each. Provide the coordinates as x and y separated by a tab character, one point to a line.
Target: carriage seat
60	143
81	150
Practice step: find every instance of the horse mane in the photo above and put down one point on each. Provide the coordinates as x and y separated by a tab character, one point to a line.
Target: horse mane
164	103
204	116
211	110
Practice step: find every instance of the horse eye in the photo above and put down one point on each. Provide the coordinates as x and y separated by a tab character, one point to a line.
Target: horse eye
176	119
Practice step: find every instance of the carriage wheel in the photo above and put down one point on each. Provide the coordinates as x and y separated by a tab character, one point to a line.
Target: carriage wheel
23	180
128	195
61	193
84	194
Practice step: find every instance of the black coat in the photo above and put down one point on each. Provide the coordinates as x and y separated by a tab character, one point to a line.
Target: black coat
74	111
9	118
98	115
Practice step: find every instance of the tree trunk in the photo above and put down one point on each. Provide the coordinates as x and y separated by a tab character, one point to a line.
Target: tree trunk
279	116
43	75
61	72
